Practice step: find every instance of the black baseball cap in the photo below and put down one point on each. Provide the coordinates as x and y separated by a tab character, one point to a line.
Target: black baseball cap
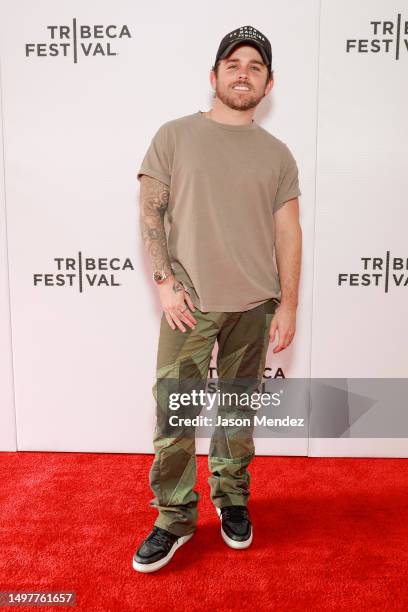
247	34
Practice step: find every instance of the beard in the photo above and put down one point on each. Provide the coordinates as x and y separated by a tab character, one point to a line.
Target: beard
237	100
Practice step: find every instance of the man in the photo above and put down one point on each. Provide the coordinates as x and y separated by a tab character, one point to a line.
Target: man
218	198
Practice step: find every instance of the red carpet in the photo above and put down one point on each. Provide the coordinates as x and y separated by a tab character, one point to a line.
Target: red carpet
329	534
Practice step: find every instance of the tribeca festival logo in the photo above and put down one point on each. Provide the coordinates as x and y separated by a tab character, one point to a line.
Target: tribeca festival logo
383	272
78	40
385	37
83	272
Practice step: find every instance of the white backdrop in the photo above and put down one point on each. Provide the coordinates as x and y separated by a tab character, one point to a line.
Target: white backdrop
358	330
77	121
7	412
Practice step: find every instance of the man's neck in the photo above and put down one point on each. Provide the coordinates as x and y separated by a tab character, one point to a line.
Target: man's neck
223	114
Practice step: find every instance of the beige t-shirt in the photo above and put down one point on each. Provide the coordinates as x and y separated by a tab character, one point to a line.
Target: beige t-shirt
226	181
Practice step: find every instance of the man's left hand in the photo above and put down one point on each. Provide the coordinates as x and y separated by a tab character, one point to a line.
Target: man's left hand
283	322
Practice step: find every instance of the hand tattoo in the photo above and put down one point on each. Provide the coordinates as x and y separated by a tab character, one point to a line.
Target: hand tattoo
177	286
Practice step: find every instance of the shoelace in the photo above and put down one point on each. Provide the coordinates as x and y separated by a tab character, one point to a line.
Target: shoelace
235	514
160	537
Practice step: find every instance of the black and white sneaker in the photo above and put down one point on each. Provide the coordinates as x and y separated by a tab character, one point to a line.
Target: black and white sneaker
157	549
236	527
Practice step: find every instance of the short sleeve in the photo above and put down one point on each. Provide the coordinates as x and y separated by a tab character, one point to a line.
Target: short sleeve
157	160
288	186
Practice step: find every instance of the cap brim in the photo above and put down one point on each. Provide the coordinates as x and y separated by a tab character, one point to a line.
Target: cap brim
245	42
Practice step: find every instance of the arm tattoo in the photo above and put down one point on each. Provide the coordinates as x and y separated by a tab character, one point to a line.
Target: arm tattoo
154	198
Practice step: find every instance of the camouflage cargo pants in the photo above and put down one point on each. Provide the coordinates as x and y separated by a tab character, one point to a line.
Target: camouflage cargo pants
243	340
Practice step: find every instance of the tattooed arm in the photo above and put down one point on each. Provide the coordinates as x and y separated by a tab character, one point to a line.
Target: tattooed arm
154	198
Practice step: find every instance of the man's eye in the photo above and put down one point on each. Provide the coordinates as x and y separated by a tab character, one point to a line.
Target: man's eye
253	67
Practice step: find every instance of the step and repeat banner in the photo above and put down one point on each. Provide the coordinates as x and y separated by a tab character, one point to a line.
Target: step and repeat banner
84	87
359	323
7	412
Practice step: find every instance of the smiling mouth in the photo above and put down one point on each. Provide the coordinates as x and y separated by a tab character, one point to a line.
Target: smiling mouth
240	88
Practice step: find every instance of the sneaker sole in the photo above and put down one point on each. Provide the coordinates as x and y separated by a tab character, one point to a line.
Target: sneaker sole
153	567
234	543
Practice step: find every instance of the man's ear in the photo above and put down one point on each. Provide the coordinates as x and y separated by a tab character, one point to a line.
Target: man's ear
213	79
268	87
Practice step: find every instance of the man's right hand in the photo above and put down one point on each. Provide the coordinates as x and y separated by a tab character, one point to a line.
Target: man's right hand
173	299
